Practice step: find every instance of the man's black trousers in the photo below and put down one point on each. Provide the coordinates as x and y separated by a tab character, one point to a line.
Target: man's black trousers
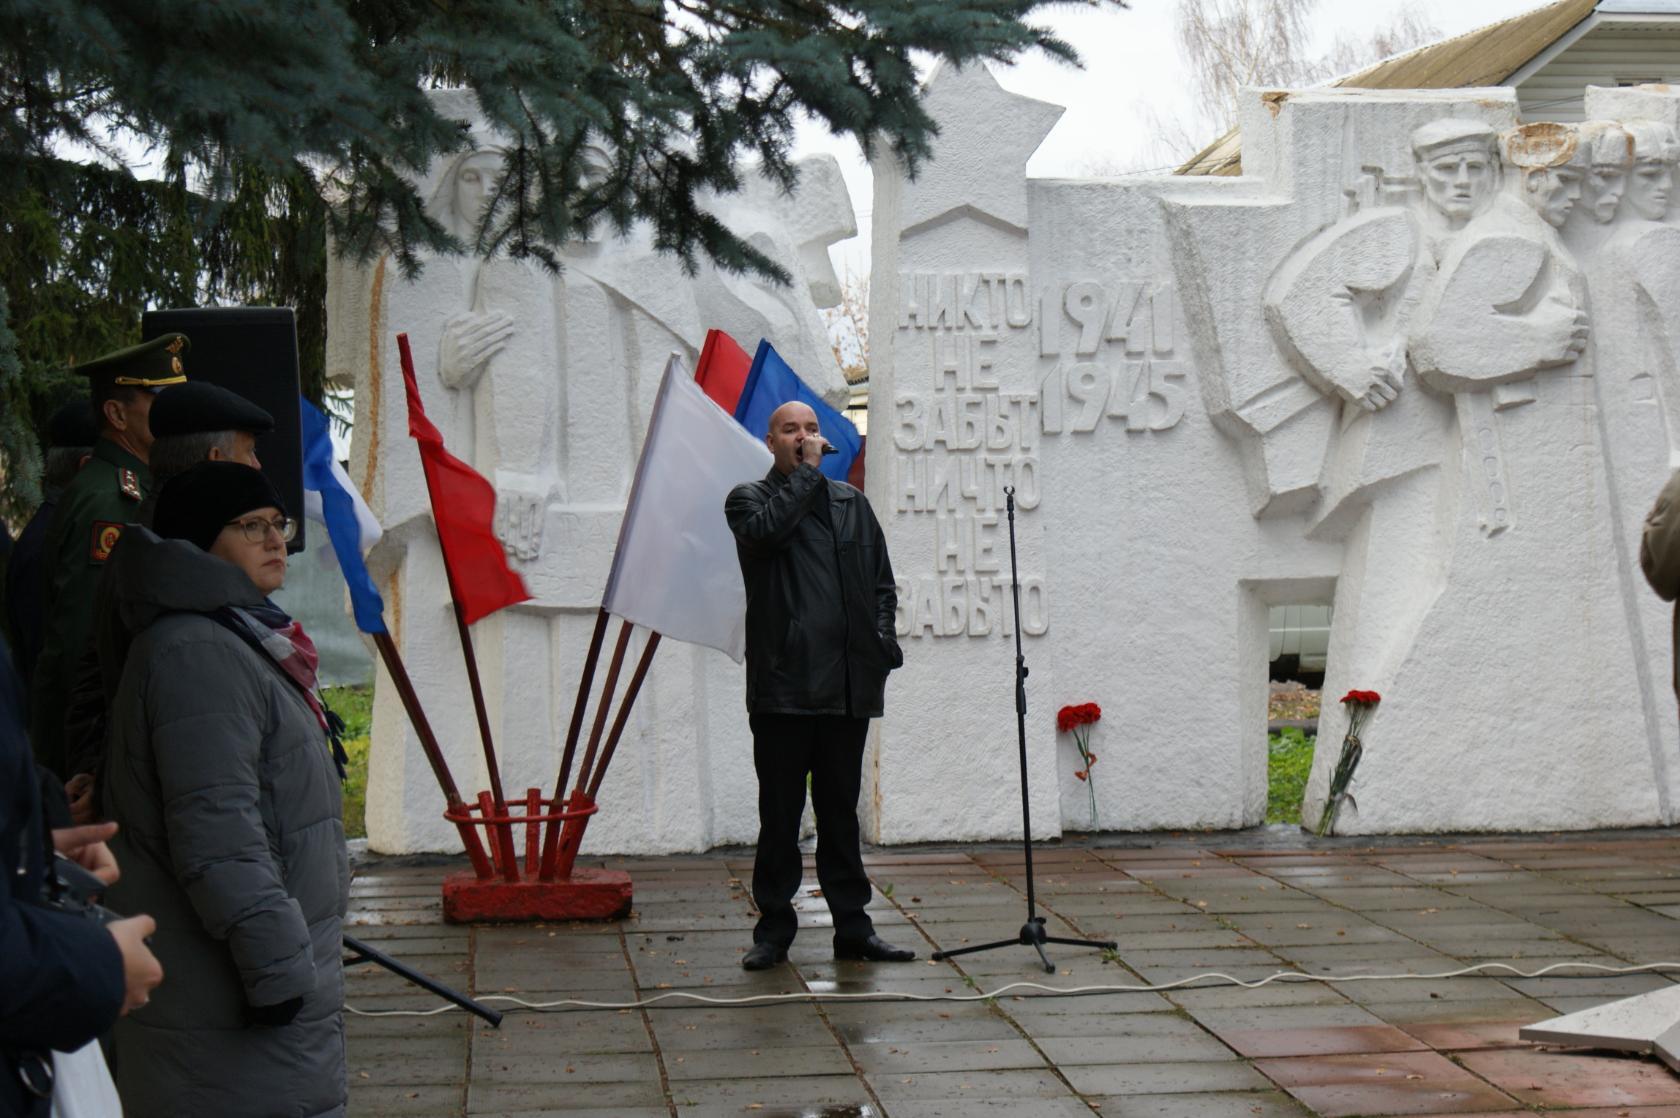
830	748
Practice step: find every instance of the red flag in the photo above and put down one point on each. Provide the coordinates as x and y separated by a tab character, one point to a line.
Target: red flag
464	508
722	371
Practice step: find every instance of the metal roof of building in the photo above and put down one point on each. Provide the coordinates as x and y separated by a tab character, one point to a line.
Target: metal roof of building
1484	57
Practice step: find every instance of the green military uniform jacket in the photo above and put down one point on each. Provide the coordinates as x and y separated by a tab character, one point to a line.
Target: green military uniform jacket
100	500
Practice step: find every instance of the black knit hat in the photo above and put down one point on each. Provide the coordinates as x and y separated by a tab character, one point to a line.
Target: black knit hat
196	505
73	424
199	406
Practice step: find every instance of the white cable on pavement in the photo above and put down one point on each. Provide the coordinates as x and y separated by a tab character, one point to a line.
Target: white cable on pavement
1065	991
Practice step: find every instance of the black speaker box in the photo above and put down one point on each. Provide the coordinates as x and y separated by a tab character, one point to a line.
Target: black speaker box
252	351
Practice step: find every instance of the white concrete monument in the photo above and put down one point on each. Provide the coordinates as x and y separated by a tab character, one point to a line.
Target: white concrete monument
1418	361
543	383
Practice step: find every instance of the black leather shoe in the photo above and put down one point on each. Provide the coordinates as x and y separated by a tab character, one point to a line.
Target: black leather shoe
871	949
763	956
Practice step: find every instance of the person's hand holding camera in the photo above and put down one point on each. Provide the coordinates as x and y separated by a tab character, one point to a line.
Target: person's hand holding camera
86	846
141	970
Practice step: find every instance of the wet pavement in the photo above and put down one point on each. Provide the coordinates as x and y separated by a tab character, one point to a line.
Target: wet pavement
1246	905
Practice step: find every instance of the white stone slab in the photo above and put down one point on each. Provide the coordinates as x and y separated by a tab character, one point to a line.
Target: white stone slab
1645	1023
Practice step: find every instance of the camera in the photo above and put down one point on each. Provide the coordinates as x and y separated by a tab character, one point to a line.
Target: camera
74	889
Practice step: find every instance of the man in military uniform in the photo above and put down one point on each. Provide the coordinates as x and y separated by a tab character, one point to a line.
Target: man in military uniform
191	423
69	440
91	514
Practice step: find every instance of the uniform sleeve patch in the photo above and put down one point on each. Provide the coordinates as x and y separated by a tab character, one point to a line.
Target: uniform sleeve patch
105	536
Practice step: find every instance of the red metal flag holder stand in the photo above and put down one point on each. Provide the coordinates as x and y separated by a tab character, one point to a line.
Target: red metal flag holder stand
547	883
515	889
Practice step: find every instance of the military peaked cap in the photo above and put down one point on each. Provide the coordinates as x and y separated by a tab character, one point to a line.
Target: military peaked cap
199	406
155	364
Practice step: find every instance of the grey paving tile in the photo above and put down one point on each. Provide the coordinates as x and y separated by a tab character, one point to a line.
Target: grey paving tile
1069	1052
788	1025
902	1030
770	1094
985	1085
404	1100
917	1058
1230	1104
506	1098
584	1070
1165	1078
1068	1107
424	1060
761	1062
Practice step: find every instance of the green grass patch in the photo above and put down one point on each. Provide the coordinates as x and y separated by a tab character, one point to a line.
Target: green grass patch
1288	761
355	706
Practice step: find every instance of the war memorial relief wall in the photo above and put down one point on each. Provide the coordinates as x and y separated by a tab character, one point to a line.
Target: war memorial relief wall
1417	361
1410	363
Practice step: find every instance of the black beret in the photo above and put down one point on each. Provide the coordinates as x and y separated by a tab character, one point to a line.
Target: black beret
196	505
155	364
199	406
73	424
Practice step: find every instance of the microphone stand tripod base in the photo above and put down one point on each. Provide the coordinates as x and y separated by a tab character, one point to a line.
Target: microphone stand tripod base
1032	935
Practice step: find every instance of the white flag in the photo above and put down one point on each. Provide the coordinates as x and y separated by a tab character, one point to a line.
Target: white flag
676	571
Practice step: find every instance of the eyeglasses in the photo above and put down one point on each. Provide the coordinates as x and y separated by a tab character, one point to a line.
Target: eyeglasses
255	530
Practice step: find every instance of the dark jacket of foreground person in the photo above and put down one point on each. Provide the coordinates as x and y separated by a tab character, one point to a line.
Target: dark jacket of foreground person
61	976
232	837
820	596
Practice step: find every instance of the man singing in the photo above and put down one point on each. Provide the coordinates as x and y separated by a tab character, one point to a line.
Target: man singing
820	643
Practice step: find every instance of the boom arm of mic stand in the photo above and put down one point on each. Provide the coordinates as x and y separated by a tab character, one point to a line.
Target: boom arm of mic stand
363	953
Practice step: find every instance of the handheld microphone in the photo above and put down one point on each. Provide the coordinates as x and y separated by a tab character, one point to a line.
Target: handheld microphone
830	448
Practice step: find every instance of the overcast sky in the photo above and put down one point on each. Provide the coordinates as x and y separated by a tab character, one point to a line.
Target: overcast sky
1132	70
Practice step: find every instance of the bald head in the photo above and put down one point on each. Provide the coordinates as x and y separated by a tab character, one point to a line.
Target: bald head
790	425
791	412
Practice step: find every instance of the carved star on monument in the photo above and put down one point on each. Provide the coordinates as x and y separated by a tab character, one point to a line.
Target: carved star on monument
978	168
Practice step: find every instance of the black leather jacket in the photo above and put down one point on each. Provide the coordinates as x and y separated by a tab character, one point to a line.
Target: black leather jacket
820	596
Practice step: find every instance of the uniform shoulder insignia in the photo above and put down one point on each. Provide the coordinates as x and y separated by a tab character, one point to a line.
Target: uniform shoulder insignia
106	533
129	482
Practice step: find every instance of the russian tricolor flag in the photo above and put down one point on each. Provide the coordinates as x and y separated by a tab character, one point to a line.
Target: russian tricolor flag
332	499
751	390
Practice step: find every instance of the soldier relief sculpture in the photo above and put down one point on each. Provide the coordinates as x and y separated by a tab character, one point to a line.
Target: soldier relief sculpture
1496	327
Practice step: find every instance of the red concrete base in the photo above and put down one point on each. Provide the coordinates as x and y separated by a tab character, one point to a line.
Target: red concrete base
586	895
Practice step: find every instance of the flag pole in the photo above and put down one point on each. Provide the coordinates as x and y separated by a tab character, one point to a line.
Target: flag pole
564	852
504	844
503	834
429	744
551	832
607	690
630	694
561	840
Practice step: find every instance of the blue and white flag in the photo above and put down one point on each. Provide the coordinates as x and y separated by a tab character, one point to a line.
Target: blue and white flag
331	498
772	383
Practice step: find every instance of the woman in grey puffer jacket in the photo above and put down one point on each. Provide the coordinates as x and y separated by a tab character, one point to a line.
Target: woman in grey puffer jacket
220	773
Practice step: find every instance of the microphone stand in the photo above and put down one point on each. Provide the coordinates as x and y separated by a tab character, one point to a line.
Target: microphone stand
364	953
1032	933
